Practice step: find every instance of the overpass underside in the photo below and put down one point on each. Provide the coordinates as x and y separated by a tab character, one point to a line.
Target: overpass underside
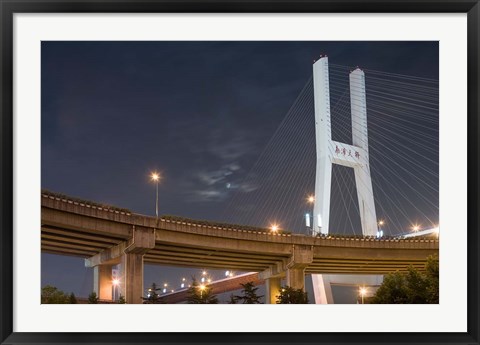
106	237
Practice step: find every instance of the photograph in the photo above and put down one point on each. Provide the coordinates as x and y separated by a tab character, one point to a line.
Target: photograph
240	172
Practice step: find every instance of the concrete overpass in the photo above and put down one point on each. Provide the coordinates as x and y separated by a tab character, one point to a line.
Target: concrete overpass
107	236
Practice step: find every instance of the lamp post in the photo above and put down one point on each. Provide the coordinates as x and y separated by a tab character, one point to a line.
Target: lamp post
363	291
380	230
155	178
311	201
115	283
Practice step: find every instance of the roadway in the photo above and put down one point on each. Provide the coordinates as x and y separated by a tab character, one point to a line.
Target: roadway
75	228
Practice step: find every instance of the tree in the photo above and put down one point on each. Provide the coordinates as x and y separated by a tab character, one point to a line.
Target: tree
233	299
121	300
152	297
52	295
92	298
289	295
249	292
432	270
416	285
200	294
72	299
412	287
392	290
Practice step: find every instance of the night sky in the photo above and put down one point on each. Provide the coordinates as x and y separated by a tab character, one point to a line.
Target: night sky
201	113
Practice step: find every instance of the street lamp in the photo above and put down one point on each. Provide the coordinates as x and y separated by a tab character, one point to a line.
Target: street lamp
363	291
115	283
380	230
436	230
274	228
155	178
201	287
311	201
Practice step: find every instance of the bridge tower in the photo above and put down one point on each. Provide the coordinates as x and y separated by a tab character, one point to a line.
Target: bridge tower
330	152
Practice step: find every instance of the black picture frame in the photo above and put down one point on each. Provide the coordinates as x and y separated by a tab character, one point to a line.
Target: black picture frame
10	7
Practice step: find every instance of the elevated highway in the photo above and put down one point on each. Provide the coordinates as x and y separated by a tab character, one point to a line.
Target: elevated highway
107	236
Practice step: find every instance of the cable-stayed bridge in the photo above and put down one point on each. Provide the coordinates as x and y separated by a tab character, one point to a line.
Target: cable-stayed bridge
324	153
357	216
403	153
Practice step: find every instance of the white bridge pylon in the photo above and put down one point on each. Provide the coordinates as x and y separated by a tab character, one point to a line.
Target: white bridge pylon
355	156
331	152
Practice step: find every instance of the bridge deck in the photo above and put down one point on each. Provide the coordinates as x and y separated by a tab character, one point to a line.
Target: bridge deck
75	228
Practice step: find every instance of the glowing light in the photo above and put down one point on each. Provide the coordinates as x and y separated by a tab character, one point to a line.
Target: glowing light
416	227
209	280
202	287
183	279
155	176
204	272
182	285
227	273
363	292
381	222
165	285
164	290
274	228
311	199
202	280
116	282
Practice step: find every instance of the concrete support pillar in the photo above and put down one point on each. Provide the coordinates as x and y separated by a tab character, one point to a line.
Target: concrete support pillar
322	284
102	281
301	257
272	290
322	288
131	278
129	255
296	277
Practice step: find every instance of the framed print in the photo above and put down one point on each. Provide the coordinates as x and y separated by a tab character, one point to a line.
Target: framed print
159	155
